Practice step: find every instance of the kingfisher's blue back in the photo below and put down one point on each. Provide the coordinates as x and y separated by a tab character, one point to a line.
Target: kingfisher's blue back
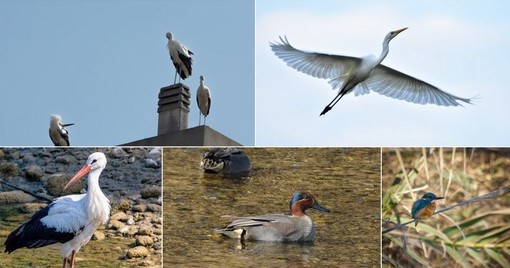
419	205
424	207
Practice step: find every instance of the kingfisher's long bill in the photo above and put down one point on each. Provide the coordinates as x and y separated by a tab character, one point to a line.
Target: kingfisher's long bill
424	207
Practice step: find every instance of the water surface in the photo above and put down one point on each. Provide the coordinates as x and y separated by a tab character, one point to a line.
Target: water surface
347	181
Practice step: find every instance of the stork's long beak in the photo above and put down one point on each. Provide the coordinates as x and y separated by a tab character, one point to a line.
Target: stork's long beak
83	171
66	125
400	30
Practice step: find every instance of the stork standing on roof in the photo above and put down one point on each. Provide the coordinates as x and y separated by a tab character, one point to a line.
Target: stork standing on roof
180	56
58	134
203	100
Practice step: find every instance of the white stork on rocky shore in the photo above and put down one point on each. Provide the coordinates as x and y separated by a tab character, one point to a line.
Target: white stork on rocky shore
69	220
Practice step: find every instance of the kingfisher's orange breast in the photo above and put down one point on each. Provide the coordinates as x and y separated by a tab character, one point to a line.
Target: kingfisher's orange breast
427	211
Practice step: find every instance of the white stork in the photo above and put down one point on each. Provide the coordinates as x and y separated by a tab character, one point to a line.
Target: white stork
58	134
203	100
70	220
180	56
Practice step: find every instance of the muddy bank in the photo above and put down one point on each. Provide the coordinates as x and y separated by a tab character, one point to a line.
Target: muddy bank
131	181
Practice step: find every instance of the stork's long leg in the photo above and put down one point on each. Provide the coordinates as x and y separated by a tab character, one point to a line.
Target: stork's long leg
64	265
205	117
175	77
72	259
199	118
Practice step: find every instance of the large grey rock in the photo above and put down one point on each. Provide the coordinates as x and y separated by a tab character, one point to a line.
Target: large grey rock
119	216
15	197
56	183
98	235
153	191
32	207
34	173
144	240
8	169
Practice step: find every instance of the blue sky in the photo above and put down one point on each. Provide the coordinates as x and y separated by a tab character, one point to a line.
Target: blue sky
461	47
101	64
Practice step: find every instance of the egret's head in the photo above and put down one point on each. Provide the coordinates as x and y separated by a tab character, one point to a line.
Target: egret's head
392	34
169	36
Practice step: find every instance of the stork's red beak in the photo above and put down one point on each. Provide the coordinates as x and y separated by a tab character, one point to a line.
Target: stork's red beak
83	171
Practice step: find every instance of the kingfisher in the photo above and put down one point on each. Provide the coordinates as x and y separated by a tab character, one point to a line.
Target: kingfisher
424	207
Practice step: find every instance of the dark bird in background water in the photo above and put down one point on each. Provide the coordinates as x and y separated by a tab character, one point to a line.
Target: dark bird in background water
227	161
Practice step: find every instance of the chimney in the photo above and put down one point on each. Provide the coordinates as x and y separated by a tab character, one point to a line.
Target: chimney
173	108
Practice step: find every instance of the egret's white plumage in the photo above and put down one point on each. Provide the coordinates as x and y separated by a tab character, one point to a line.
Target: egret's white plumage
70	220
58	134
203	100
363	74
180	56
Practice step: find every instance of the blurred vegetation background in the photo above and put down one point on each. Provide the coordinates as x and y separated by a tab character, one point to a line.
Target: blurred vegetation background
475	235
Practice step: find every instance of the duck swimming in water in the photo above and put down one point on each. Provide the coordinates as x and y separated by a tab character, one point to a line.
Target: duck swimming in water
225	161
297	227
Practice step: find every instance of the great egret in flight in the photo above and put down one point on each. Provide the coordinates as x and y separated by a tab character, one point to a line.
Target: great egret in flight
363	74
203	100
180	56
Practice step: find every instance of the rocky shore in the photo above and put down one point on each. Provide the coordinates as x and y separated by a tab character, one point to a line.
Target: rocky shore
131	181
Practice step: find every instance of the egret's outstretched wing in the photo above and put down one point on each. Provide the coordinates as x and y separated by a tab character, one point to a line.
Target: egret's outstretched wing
394	84
315	64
